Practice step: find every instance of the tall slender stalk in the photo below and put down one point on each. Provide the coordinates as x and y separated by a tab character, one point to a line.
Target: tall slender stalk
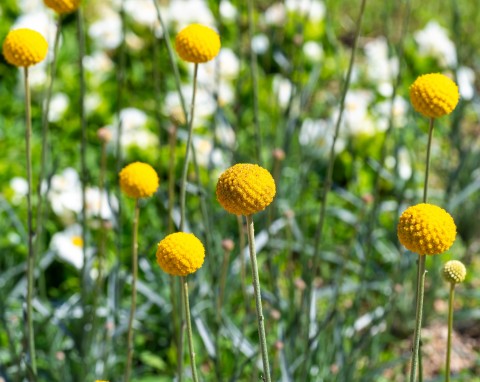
421	272
134	291
103	231
326	190
258	299
45	126
450	328
254	74
32	375
183	184
189	329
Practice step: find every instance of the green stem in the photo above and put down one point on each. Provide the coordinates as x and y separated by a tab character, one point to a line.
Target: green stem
189	329
134	291
254	74
183	184
172	142
258	299
326	190
427	169
450	328
103	231
31	252
419	312
45	126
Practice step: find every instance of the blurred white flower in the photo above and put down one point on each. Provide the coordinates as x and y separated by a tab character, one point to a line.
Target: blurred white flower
181	13
134	42
283	88
227	10
400	108
315	9
319	133
260	43
107	31
356	119
433	41
142	12
276	14
20	189
404	164
100	204
65	195
205	104
68	245
134	130
466	82
28	6
92	102
381	69
58	106
228	67
313	51
203	149
98	63
224	133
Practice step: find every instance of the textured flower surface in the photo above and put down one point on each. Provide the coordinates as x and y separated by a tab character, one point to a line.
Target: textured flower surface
454	271
434	95
24	47
426	229
197	43
245	189
180	254
63	6
138	180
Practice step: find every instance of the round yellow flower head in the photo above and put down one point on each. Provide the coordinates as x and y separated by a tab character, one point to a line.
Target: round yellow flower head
426	229
454	271
245	189
63	6
434	95
24	47
197	43
180	254
138	180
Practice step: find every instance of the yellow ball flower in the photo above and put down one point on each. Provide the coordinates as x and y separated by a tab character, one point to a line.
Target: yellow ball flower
24	47
180	254
197	43
138	180
454	271
245	189
426	229
434	95
63	6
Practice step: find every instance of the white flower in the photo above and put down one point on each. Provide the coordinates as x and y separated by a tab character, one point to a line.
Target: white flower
319	133
20	188
404	164
400	108
68	245
205	104
107	31
283	88
98	63
356	119
433	41
92	102
260	43
184	12
100	204
315	9
227	10
65	195
58	106
381	69
227	64
466	82
276	14
142	12
313	51
133	118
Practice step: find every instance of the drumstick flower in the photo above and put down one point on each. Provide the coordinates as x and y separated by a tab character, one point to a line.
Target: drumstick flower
63	6
23	48
137	180
427	230
245	189
181	254
454	272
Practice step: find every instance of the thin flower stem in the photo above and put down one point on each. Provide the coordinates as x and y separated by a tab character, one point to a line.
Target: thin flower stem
31	253
258	299
172	142
418	321
326	190
45	126
427	168
254	74
183	184
450	328
134	291
189	329
103	231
